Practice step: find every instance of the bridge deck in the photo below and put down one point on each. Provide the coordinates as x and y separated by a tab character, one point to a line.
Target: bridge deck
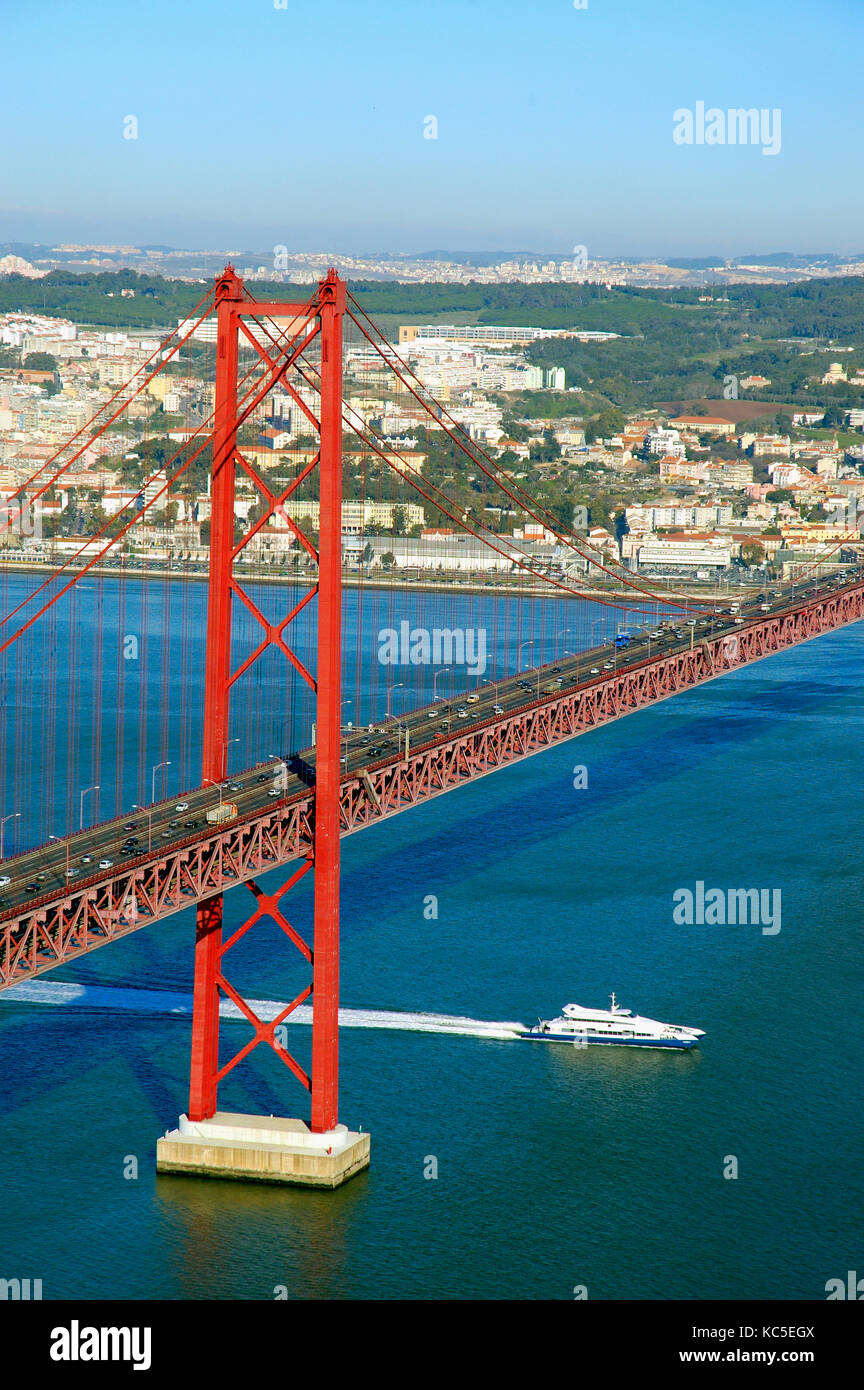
67	898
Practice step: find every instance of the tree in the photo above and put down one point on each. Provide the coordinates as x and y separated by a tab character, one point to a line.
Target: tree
388	559
752	553
546	450
400	521
609	421
40	362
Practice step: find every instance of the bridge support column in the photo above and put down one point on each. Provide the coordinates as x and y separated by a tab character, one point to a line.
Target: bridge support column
208	938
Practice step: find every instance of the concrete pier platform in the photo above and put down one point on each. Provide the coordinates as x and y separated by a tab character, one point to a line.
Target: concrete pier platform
258	1148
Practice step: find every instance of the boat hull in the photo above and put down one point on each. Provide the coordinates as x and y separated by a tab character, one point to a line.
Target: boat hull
580	1040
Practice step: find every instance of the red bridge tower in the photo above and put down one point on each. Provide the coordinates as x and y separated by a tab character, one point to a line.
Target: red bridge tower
209	1141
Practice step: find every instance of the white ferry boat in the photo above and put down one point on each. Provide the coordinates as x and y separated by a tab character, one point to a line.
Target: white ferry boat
615	1025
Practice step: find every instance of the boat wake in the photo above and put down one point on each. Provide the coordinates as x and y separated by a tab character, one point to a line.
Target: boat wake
167	1002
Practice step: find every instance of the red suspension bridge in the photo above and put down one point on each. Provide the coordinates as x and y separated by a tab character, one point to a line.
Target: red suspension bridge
258	676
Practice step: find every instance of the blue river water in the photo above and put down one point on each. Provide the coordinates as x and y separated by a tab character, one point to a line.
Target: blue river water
557	1168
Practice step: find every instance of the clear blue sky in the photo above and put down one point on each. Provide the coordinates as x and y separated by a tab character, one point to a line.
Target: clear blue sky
304	125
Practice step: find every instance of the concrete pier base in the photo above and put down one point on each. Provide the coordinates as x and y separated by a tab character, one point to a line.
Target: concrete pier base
255	1148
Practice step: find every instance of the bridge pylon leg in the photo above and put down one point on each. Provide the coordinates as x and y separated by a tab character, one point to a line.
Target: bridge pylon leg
328	743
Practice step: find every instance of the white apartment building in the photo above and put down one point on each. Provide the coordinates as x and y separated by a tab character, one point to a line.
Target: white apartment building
449	553
688	553
659	442
653	518
357	517
485	333
766	444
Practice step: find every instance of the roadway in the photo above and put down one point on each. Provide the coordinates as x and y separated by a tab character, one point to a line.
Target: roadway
137	837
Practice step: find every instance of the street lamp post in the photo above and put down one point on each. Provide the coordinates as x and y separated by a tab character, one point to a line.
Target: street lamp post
167	763
349	726
561	634
57	839
400	685
442	672
228	743
11	816
215	784
149	815
94	788
529	642
399	732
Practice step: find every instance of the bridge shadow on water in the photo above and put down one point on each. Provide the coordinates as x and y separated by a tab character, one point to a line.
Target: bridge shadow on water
625	758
